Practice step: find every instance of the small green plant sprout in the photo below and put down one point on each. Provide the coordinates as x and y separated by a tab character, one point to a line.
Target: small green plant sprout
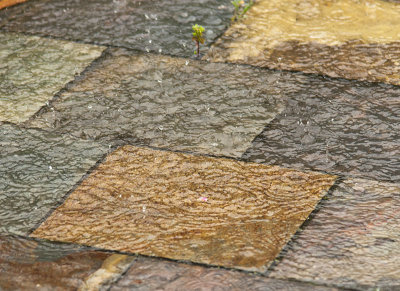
198	37
241	8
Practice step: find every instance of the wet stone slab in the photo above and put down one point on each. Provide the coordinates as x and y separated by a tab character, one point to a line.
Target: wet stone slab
33	69
349	39
151	25
185	207
339	126
167	102
37	170
353	241
31	265
155	274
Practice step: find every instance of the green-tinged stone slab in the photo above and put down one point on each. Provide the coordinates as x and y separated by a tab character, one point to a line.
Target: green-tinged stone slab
168	102
353	241
33	69
156	274
185	207
350	39
37	170
150	25
31	265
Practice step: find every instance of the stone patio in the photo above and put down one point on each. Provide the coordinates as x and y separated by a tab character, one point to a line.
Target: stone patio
128	164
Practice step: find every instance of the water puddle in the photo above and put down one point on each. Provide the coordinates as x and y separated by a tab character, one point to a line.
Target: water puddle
184	207
33	69
353	241
167	102
37	170
350	39
339	126
156	26
31	265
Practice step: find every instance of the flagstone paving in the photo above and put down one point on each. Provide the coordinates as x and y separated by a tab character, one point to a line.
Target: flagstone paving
45	266
185	207
337	126
37	170
155	274
151	25
33	69
352	241
167	102
349	39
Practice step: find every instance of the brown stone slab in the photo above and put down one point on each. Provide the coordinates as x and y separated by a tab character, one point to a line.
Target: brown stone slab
185	207
349	39
7	3
32	265
353	241
155	274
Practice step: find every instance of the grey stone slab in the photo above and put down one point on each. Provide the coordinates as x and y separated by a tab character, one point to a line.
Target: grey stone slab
150	25
154	274
33	69
37	170
168	102
343	127
353	241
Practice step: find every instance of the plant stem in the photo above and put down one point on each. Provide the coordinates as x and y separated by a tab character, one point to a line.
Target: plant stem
198	49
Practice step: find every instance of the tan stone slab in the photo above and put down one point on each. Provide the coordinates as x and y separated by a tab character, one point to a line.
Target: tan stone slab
350	39
34	69
185	207
6	3
353	241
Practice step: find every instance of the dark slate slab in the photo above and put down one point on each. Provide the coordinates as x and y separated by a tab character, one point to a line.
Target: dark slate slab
150	25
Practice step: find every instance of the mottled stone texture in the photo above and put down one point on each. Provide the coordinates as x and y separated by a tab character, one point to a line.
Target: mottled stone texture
349	39
179	206
167	102
155	274
353	241
31	265
338	126
150	25
33	69
37	170
6	3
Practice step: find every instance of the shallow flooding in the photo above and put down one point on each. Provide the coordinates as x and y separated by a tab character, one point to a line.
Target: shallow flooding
131	164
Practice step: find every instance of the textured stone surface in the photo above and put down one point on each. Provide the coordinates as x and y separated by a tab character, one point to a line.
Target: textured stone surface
353	241
37	170
339	126
151	25
33	69
6	3
350	39
214	211
168	102
154	274
31	265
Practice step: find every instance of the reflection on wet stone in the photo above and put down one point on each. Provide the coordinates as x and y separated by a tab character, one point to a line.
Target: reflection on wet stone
168	102
32	265
37	170
338	126
155	25
155	274
179	206
353	240
33	69
349	39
